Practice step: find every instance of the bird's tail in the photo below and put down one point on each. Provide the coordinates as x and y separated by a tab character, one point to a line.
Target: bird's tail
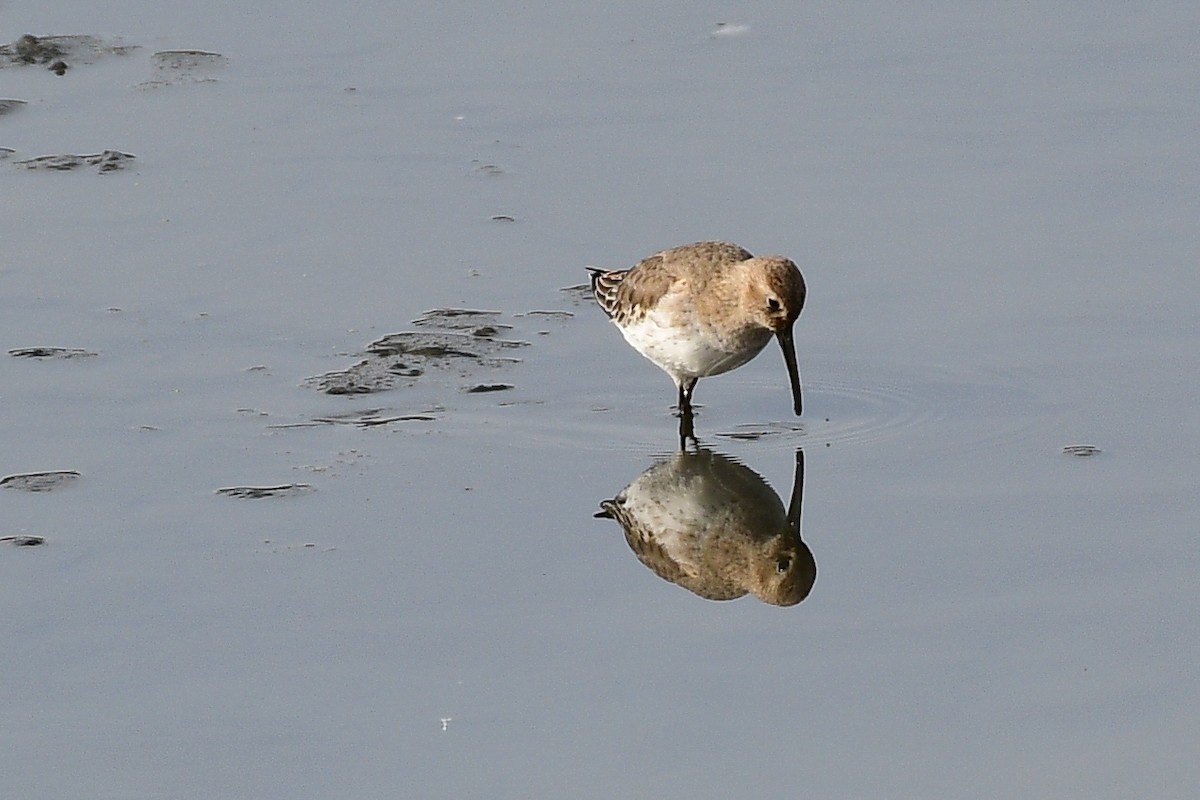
605	283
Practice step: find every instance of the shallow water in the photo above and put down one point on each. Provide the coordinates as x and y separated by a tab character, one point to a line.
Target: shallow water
995	215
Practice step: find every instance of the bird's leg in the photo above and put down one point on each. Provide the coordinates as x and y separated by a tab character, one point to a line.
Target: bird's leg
686	422
685	396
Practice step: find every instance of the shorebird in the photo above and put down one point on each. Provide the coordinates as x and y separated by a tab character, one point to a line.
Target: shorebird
715	527
703	309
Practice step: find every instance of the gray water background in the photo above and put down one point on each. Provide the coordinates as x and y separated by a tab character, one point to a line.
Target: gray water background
994	207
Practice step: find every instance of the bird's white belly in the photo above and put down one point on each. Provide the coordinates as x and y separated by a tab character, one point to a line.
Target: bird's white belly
691	351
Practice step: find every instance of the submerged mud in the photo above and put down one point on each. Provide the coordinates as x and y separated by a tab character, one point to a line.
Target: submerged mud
104	161
363	418
59	53
452	342
175	67
260	492
40	481
51	352
23	540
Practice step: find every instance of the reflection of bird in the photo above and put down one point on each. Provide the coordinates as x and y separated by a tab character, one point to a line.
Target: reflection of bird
716	528
703	309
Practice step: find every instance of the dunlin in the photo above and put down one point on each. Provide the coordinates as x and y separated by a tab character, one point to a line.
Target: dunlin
703	309
715	527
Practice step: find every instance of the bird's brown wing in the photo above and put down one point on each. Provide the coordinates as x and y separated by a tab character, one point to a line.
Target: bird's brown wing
626	294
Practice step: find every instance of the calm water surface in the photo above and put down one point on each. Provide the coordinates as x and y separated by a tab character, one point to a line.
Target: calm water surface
995	215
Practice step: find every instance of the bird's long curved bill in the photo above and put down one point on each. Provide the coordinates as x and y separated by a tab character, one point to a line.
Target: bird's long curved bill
789	356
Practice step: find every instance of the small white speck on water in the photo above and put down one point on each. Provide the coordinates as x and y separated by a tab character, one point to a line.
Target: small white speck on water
729	29
446	722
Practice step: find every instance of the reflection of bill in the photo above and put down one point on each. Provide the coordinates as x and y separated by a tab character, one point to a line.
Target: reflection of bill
716	528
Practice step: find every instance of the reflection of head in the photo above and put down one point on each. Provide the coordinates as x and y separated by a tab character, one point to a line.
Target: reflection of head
786	577
715	527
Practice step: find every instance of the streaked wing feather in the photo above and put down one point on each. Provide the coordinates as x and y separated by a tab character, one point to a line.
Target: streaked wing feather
605	287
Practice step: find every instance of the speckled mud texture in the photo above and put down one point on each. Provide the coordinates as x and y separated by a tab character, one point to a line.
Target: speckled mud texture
179	67
106	161
261	492
65	353
50	481
60	53
452	344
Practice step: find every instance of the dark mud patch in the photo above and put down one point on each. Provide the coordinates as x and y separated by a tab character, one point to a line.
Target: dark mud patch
561	316
40	481
51	352
487	170
476	322
450	352
175	67
754	431
363	418
60	52
366	377
23	541
260	492
400	359
446	347
104	161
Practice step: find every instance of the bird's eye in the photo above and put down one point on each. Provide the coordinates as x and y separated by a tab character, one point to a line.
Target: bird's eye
783	564
772	305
